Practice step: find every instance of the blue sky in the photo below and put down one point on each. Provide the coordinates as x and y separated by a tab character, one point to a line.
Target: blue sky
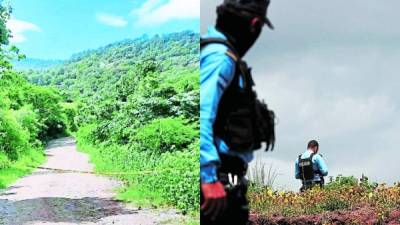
49	29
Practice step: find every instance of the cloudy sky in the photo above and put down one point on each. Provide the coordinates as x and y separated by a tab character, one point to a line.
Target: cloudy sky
331	71
51	29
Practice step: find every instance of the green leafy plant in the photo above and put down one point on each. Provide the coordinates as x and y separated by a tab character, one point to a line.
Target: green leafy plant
165	135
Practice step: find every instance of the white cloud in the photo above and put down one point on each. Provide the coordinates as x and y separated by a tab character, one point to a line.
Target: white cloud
156	12
111	20
18	28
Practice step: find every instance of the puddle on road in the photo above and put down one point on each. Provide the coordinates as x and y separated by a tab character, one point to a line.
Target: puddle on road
59	210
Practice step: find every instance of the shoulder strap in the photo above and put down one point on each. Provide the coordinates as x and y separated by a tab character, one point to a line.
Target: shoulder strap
299	158
312	155
231	50
232	53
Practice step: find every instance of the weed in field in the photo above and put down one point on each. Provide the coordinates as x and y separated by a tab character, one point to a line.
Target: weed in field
258	176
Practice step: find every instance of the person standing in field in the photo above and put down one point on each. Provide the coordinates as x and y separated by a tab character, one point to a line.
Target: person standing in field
234	122
310	167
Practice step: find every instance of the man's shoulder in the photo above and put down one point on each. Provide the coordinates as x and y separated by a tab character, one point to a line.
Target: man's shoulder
217	56
215	51
317	157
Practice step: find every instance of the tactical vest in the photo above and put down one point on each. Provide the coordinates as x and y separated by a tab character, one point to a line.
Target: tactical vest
306	168
243	122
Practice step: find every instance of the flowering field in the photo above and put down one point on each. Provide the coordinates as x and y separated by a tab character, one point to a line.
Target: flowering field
344	200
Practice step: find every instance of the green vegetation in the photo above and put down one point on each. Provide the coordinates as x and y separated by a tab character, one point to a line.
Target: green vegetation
134	106
30	115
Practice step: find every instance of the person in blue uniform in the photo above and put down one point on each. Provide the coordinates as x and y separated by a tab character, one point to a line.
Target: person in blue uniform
310	167
228	121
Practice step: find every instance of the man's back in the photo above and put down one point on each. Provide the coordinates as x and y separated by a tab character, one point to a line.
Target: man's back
319	166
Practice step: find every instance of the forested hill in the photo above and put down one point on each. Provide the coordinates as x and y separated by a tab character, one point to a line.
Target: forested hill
135	107
35	64
90	71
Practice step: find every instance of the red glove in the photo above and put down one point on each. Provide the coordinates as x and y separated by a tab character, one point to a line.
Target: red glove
214	199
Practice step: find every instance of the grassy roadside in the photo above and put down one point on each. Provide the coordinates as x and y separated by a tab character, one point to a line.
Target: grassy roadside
168	188
18	168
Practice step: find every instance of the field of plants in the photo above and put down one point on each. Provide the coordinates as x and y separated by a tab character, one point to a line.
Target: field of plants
344	200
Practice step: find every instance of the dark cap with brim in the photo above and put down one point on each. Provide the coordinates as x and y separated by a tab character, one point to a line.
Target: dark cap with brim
250	7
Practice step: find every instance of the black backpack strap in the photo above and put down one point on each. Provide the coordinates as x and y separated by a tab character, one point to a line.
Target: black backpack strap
245	71
231	50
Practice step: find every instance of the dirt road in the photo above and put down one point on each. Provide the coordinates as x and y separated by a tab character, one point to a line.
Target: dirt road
52	197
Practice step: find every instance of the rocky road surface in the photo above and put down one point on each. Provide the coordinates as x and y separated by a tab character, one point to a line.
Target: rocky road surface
63	198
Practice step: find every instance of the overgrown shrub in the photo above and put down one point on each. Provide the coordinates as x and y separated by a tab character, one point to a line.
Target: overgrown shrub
341	181
13	138
165	135
70	110
85	134
4	161
29	121
178	178
47	103
173	175
29	115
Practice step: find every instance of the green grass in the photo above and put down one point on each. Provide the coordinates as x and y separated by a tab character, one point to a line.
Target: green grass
183	221
141	197
173	183
23	166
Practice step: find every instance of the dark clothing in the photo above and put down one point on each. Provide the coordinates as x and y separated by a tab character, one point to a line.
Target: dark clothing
319	164
233	122
237	212
310	184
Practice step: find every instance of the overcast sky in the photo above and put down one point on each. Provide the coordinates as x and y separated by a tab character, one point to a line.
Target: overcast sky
330	70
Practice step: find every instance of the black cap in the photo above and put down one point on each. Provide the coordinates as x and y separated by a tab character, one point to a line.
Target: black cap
253	7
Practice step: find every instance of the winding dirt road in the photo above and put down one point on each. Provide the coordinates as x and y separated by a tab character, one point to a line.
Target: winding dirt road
53	197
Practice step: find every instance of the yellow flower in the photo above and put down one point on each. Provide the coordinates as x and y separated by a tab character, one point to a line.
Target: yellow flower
270	192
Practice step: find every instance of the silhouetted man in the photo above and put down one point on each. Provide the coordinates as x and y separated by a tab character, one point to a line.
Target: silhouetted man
233	121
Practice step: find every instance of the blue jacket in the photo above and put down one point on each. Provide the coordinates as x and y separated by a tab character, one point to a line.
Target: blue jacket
318	165
217	70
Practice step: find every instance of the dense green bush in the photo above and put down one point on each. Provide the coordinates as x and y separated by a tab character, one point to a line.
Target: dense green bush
178	177
164	135
28	119
341	181
70	110
29	116
47	103
13	138
4	161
